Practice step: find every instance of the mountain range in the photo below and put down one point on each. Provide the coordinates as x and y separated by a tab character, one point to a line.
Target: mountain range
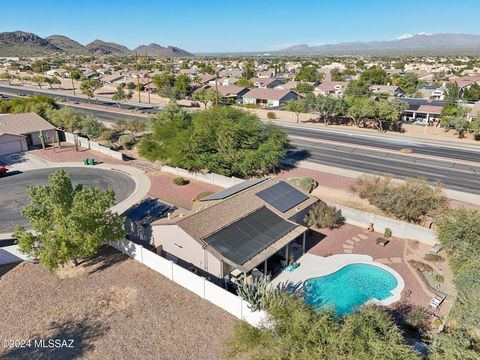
416	44
19	43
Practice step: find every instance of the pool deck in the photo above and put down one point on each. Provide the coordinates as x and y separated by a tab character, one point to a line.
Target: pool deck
312	266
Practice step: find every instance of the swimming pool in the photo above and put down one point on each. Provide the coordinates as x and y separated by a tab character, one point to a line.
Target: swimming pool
350	287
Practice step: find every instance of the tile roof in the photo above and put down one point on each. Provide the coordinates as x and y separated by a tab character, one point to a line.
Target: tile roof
269	94
21	124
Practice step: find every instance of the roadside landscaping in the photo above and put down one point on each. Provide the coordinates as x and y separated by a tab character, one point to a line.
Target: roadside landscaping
113	307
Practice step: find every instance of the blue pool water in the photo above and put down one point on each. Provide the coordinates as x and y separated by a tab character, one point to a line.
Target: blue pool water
348	288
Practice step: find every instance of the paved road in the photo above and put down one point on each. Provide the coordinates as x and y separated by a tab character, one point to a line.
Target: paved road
453	176
74	98
13	190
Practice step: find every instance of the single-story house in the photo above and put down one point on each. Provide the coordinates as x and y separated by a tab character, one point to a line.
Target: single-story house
114	79
232	93
389	90
465	82
265	83
290	85
331	88
269	98
19	132
432	92
256	225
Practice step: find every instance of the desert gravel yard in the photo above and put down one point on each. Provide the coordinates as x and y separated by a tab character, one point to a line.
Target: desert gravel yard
113	308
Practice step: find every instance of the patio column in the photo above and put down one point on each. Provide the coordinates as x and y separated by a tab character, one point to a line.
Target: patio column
265	268
303	240
286	253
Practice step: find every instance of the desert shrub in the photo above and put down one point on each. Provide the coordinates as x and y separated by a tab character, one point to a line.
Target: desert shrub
420	266
203	194
180	181
387	233
322	215
417	318
438	278
307	184
126	141
271	115
412	200
433	258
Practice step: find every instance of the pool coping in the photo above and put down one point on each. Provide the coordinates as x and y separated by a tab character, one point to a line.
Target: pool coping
330	265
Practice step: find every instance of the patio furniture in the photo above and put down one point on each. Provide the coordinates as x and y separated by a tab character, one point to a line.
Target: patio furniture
436	301
436	249
382	241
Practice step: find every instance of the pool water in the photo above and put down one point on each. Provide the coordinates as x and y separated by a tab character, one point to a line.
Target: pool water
348	288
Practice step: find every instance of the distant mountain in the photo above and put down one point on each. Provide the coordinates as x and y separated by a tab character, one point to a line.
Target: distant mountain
19	43
420	43
100	47
68	45
157	50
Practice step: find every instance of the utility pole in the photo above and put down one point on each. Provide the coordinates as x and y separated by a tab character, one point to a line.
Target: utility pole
138	78
216	87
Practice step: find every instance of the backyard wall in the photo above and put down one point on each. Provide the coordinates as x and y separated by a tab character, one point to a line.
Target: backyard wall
196	284
399	228
92	145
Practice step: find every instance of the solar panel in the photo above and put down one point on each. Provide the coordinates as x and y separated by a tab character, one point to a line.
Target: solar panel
233	189
148	209
245	238
282	196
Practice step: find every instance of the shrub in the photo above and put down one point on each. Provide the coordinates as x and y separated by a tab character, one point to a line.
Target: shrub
203	194
126	141
420	266
387	233
438	278
305	183
418	318
433	258
412	200
180	181
322	215
271	115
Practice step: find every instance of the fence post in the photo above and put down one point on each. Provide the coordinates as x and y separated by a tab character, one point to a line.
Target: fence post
171	267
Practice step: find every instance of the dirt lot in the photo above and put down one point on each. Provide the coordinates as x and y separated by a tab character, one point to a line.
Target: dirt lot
113	308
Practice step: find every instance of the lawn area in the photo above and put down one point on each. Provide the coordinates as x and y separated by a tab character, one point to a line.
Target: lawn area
113	307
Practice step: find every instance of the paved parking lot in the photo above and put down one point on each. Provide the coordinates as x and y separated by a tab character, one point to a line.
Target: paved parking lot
13	189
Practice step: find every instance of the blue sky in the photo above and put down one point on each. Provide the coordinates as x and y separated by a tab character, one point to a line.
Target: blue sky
245	25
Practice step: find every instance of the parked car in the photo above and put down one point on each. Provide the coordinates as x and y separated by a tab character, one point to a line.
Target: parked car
3	171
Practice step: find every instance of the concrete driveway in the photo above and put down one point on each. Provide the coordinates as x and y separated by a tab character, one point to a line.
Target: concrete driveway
14	198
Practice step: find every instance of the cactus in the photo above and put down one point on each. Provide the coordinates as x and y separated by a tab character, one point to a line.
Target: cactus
254	292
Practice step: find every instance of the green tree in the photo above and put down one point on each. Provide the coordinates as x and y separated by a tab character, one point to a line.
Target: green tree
121	95
248	69
296	106
132	126
375	76
327	107
304	88
472	93
223	140
182	85
69	223
244	82
52	80
308	73
88	87
39	104
357	88
91	127
39	80
360	109
205	96
8	77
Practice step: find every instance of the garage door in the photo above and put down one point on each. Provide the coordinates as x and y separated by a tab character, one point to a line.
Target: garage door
11	147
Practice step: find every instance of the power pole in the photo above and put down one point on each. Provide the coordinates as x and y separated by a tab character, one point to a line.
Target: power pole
216	87
138	78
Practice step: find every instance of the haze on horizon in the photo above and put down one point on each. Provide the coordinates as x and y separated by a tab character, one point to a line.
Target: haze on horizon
217	26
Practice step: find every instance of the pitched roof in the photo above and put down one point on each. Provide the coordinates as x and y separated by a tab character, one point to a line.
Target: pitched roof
430	109
214	215
269	94
230	90
21	124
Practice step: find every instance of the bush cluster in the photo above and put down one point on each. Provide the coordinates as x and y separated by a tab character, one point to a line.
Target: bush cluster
307	184
412	200
322	215
180	181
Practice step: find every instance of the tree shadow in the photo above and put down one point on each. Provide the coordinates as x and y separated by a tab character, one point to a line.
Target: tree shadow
6	268
313	238
11	159
84	333
104	259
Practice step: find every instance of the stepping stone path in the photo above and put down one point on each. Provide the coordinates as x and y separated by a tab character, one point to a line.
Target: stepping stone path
348	247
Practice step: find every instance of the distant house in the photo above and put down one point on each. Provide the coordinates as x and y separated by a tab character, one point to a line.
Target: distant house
114	79
474	112
290	85
255	226
232	93
430	110
20	132
269	98
432	92
265	74
388	90
331	88
465	82
265	83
